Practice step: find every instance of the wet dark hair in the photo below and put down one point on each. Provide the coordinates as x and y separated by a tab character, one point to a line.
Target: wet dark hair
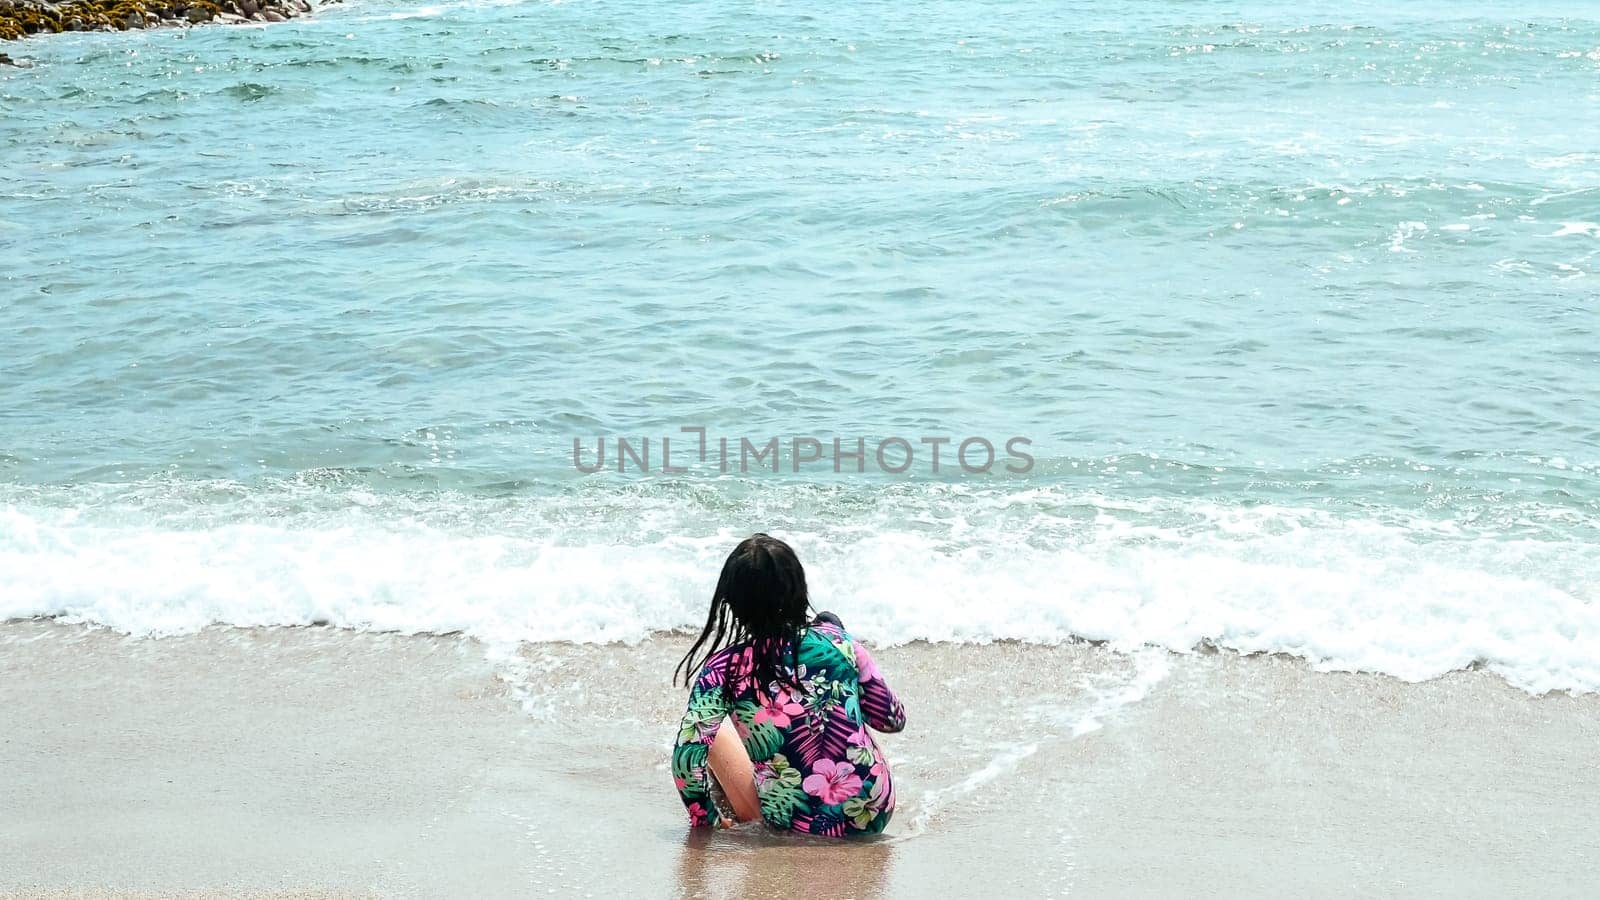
760	598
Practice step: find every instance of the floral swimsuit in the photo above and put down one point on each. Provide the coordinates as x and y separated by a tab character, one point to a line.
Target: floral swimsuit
817	769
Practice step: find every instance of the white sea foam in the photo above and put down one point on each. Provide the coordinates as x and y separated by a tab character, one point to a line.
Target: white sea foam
1111	694
1004	761
1408	595
1571	228
1106	694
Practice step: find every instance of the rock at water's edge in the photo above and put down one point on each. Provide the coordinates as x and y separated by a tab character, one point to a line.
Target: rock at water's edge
20	18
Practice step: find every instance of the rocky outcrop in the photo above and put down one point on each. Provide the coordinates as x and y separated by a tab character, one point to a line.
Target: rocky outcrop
20	18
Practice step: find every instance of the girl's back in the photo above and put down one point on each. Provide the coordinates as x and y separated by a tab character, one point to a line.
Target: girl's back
817	769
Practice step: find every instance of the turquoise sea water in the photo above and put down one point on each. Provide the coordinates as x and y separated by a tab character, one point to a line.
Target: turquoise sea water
1296	303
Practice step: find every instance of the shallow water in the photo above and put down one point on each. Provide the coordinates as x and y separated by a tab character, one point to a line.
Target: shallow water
1295	306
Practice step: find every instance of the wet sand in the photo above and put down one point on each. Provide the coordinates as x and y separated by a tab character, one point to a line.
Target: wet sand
317	762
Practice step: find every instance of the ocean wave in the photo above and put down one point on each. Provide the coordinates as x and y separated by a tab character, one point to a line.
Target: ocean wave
1410	594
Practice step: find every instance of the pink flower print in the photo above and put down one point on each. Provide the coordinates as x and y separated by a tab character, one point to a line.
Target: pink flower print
697	813
740	667
859	749
866	667
832	782
779	710
880	770
882	796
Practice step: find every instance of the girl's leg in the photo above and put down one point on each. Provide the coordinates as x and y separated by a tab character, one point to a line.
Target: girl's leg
731	765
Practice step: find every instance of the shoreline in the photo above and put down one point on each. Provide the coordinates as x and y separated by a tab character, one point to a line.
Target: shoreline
324	761
1203	648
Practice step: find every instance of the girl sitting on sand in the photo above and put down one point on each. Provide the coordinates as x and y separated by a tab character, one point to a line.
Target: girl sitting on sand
801	697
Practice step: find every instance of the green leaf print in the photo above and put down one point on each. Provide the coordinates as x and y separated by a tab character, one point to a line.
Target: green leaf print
846	649
852	703
782	771
763	741
707	705
818	655
745	711
686	758
780	801
857	811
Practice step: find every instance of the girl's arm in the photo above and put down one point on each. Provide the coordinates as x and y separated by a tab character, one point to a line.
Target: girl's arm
708	706
879	705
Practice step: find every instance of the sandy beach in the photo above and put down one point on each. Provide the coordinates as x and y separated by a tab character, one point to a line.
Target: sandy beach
320	762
